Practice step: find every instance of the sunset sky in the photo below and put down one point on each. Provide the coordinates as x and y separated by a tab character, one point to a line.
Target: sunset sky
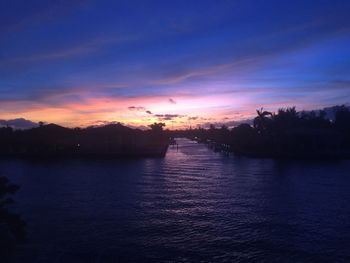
80	63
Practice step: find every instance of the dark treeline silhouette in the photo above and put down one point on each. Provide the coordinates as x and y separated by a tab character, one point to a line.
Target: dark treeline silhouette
12	227
287	133
113	140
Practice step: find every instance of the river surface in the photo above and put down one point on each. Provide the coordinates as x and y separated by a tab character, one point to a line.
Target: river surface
192	206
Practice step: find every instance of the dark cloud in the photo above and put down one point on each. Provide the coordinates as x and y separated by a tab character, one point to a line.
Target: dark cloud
136	108
140	109
242	59
19	123
168	117
172	101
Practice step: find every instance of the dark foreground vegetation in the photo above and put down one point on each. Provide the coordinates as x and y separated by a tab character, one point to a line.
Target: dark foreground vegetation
114	140
12	227
285	134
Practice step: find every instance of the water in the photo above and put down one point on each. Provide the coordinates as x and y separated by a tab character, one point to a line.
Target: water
192	206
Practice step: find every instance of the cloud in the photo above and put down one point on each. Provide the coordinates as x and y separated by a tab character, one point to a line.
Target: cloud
247	56
172	101
88	88
19	123
87	47
168	117
137	108
140	109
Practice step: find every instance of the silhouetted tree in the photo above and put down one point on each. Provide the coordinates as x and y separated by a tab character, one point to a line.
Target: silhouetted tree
342	118
114	139
157	127
12	227
287	133
262	121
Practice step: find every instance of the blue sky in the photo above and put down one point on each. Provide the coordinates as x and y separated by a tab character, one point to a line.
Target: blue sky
79	63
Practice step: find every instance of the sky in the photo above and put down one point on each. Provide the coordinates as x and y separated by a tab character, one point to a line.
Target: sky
185	63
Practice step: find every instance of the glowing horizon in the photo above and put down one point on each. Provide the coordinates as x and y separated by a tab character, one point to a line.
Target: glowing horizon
87	63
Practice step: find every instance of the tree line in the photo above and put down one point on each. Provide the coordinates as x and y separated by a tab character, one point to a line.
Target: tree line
114	140
285	133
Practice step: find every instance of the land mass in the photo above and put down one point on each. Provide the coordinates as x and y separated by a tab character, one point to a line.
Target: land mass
114	140
285	134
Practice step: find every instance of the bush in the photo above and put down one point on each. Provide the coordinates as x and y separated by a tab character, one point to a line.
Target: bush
12	227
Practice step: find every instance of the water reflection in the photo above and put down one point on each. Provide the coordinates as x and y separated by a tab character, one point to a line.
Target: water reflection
194	205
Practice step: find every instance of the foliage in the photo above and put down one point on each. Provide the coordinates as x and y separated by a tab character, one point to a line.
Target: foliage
51	140
287	133
12	227
157	127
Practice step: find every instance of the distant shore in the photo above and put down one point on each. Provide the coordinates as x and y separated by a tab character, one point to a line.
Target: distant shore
110	141
285	134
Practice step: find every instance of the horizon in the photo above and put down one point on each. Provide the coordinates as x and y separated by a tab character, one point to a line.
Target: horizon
174	131
24	124
88	63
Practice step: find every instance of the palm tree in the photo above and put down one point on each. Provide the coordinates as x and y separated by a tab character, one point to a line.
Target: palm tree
262	121
286	119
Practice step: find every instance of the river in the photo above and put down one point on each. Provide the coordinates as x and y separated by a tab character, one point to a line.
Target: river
194	205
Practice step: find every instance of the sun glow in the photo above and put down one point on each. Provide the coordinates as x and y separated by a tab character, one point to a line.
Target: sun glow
176	112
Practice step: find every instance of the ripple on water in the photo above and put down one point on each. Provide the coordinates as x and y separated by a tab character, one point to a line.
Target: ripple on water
192	206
